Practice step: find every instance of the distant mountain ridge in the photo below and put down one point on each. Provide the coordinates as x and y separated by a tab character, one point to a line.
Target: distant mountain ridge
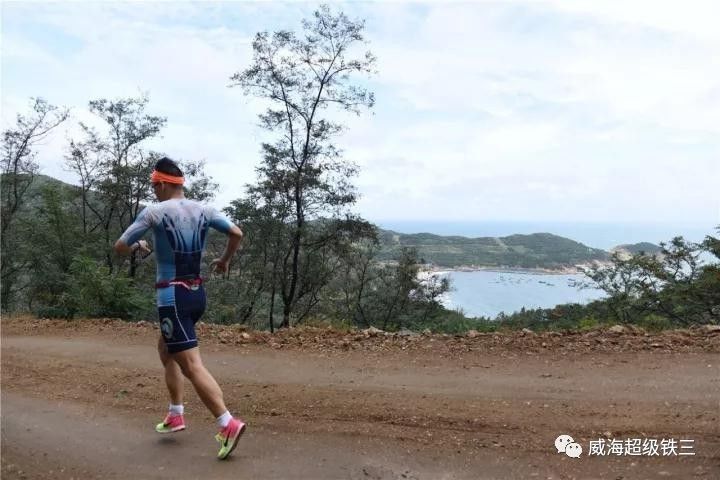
537	250
533	251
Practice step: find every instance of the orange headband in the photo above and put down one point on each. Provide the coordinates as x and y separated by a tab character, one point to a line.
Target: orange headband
164	177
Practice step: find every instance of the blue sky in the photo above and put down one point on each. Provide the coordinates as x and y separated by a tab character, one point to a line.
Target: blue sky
515	111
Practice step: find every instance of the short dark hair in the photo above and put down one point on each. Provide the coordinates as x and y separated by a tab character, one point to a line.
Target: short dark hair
168	166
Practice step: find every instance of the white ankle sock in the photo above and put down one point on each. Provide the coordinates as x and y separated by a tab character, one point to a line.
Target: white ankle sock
177	409
224	419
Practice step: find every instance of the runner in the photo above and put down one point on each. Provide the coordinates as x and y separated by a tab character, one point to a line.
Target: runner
180	228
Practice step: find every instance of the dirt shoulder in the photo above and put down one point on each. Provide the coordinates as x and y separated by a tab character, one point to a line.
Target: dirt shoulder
325	404
327	340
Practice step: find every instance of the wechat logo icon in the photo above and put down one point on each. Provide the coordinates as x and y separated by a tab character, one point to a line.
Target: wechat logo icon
565	444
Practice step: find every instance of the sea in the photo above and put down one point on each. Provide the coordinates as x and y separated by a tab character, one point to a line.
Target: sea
487	293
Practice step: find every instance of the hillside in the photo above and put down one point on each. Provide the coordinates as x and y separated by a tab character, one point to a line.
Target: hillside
635	248
538	250
39	183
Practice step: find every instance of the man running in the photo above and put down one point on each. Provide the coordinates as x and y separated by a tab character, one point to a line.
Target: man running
180	229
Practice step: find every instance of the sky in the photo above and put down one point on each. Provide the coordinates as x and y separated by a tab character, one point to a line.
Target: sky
554	111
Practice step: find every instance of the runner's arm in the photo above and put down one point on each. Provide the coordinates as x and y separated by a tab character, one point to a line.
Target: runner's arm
221	223
235	236
130	240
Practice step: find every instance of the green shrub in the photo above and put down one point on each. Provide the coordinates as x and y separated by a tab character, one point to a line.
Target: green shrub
453	322
223	314
655	323
588	323
94	292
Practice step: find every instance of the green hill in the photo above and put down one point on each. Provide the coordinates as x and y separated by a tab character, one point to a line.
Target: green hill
538	250
642	247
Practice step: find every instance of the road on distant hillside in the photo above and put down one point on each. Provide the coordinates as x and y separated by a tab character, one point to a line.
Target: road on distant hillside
83	405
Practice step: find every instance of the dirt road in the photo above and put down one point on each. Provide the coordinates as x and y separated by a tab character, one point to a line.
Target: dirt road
81	402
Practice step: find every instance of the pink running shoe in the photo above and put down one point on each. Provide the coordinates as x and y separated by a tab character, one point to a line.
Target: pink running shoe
229	436
172	423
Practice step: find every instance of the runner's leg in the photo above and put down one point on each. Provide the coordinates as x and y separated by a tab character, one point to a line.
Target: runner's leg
173	374
207	388
178	328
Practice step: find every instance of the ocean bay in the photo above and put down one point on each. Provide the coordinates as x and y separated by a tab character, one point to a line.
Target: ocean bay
489	292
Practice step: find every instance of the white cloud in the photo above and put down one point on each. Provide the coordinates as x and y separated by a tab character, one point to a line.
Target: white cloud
118	53
694	18
560	110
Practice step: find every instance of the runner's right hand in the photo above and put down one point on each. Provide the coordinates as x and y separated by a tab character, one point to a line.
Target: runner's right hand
219	266
142	247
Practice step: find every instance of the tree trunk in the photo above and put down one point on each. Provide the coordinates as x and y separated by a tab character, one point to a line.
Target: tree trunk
290	297
5	298
133	265
272	307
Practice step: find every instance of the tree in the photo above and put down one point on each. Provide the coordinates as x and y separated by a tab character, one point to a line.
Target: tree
264	217
305	78
357	284
674	283
113	166
18	173
398	289
53	232
114	170
328	248
707	292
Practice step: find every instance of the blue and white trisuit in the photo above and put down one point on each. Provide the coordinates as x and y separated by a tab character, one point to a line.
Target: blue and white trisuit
180	229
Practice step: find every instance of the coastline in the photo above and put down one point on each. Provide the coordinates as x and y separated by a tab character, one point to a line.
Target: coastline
574	270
